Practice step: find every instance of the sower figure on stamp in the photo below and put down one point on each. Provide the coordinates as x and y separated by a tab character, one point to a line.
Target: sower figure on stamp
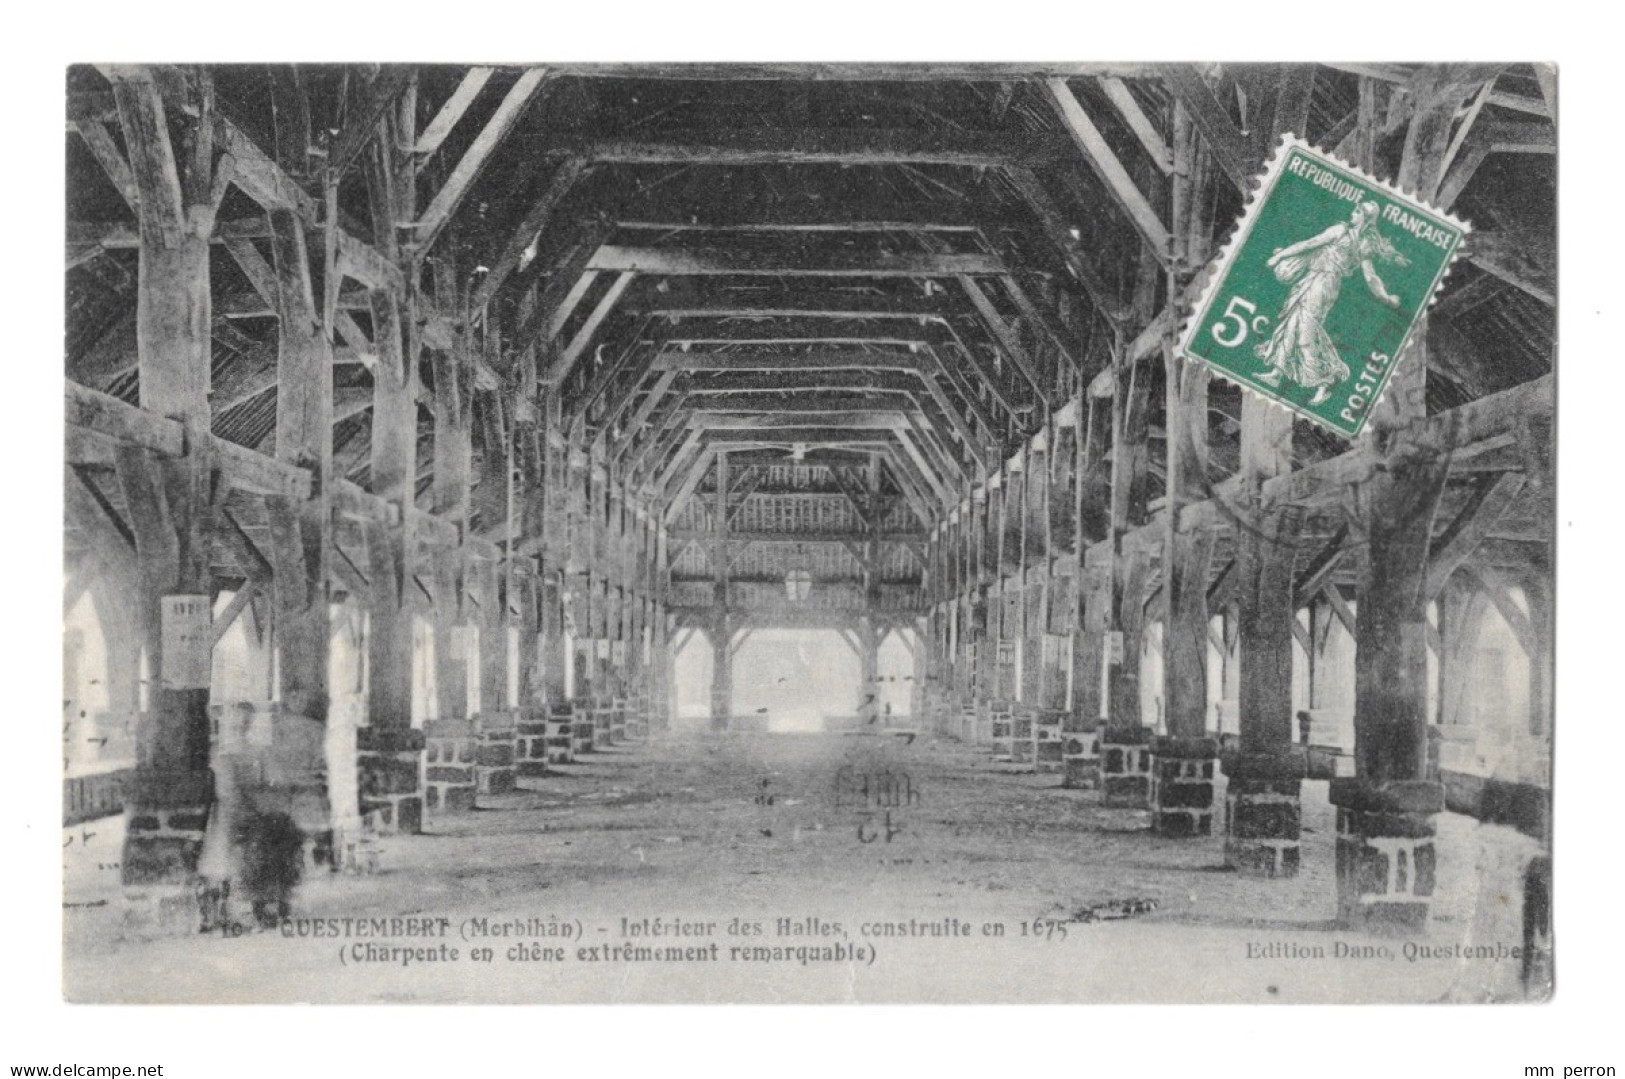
1300	347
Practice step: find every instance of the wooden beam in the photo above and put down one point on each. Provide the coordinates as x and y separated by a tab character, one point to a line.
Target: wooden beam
738	146
370	106
254	266
1476	520
1043	319
152	166
345	569
240	600
742	491
605	377
796	418
811	536
567	284
678	262
640	417
1499	591
1117	92
1111	172
1525	262
914	461
529	229
1006	337
790	435
89	509
264	181
861	72
99	141
1340	607
473	162
769	361
681	494
560	369
451	111
1060	232
1230	150
1319	571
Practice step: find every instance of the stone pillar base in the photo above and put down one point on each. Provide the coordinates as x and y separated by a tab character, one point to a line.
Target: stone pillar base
165	817
530	743
1386	857
390	765
1024	735
1125	767
449	782
1048	745
637	719
999	723
581	728
561	734
1263	814
1080	760
600	724
494	755
1183	771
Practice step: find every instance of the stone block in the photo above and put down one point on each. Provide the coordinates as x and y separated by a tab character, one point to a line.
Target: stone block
443	774
1126	735
1267	820
409	815
495	781
149	788
1406	796
1523	806
1182	825
1126	792
389	740
448	729
187	820
1291	765
495	755
388	775
1184	795
1201	749
457	800
160	859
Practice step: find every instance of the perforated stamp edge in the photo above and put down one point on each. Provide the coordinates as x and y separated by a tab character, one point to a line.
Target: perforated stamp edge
1219	266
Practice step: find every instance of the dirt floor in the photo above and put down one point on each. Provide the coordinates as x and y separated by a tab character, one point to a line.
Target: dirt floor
992	885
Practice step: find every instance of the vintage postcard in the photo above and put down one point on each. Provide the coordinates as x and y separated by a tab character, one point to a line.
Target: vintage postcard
768	533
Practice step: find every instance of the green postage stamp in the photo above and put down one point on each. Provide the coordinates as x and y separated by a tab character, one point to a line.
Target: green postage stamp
1314	298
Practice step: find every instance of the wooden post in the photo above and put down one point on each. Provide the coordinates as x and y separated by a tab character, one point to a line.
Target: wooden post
869	670
170	503
1385	809
1185	634
721	634
389	748
1093	598
722	628
453	414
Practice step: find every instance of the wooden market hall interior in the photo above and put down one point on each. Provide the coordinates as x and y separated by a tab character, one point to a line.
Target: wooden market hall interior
693	491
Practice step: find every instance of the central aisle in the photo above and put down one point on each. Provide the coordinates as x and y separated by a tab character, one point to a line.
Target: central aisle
690	842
